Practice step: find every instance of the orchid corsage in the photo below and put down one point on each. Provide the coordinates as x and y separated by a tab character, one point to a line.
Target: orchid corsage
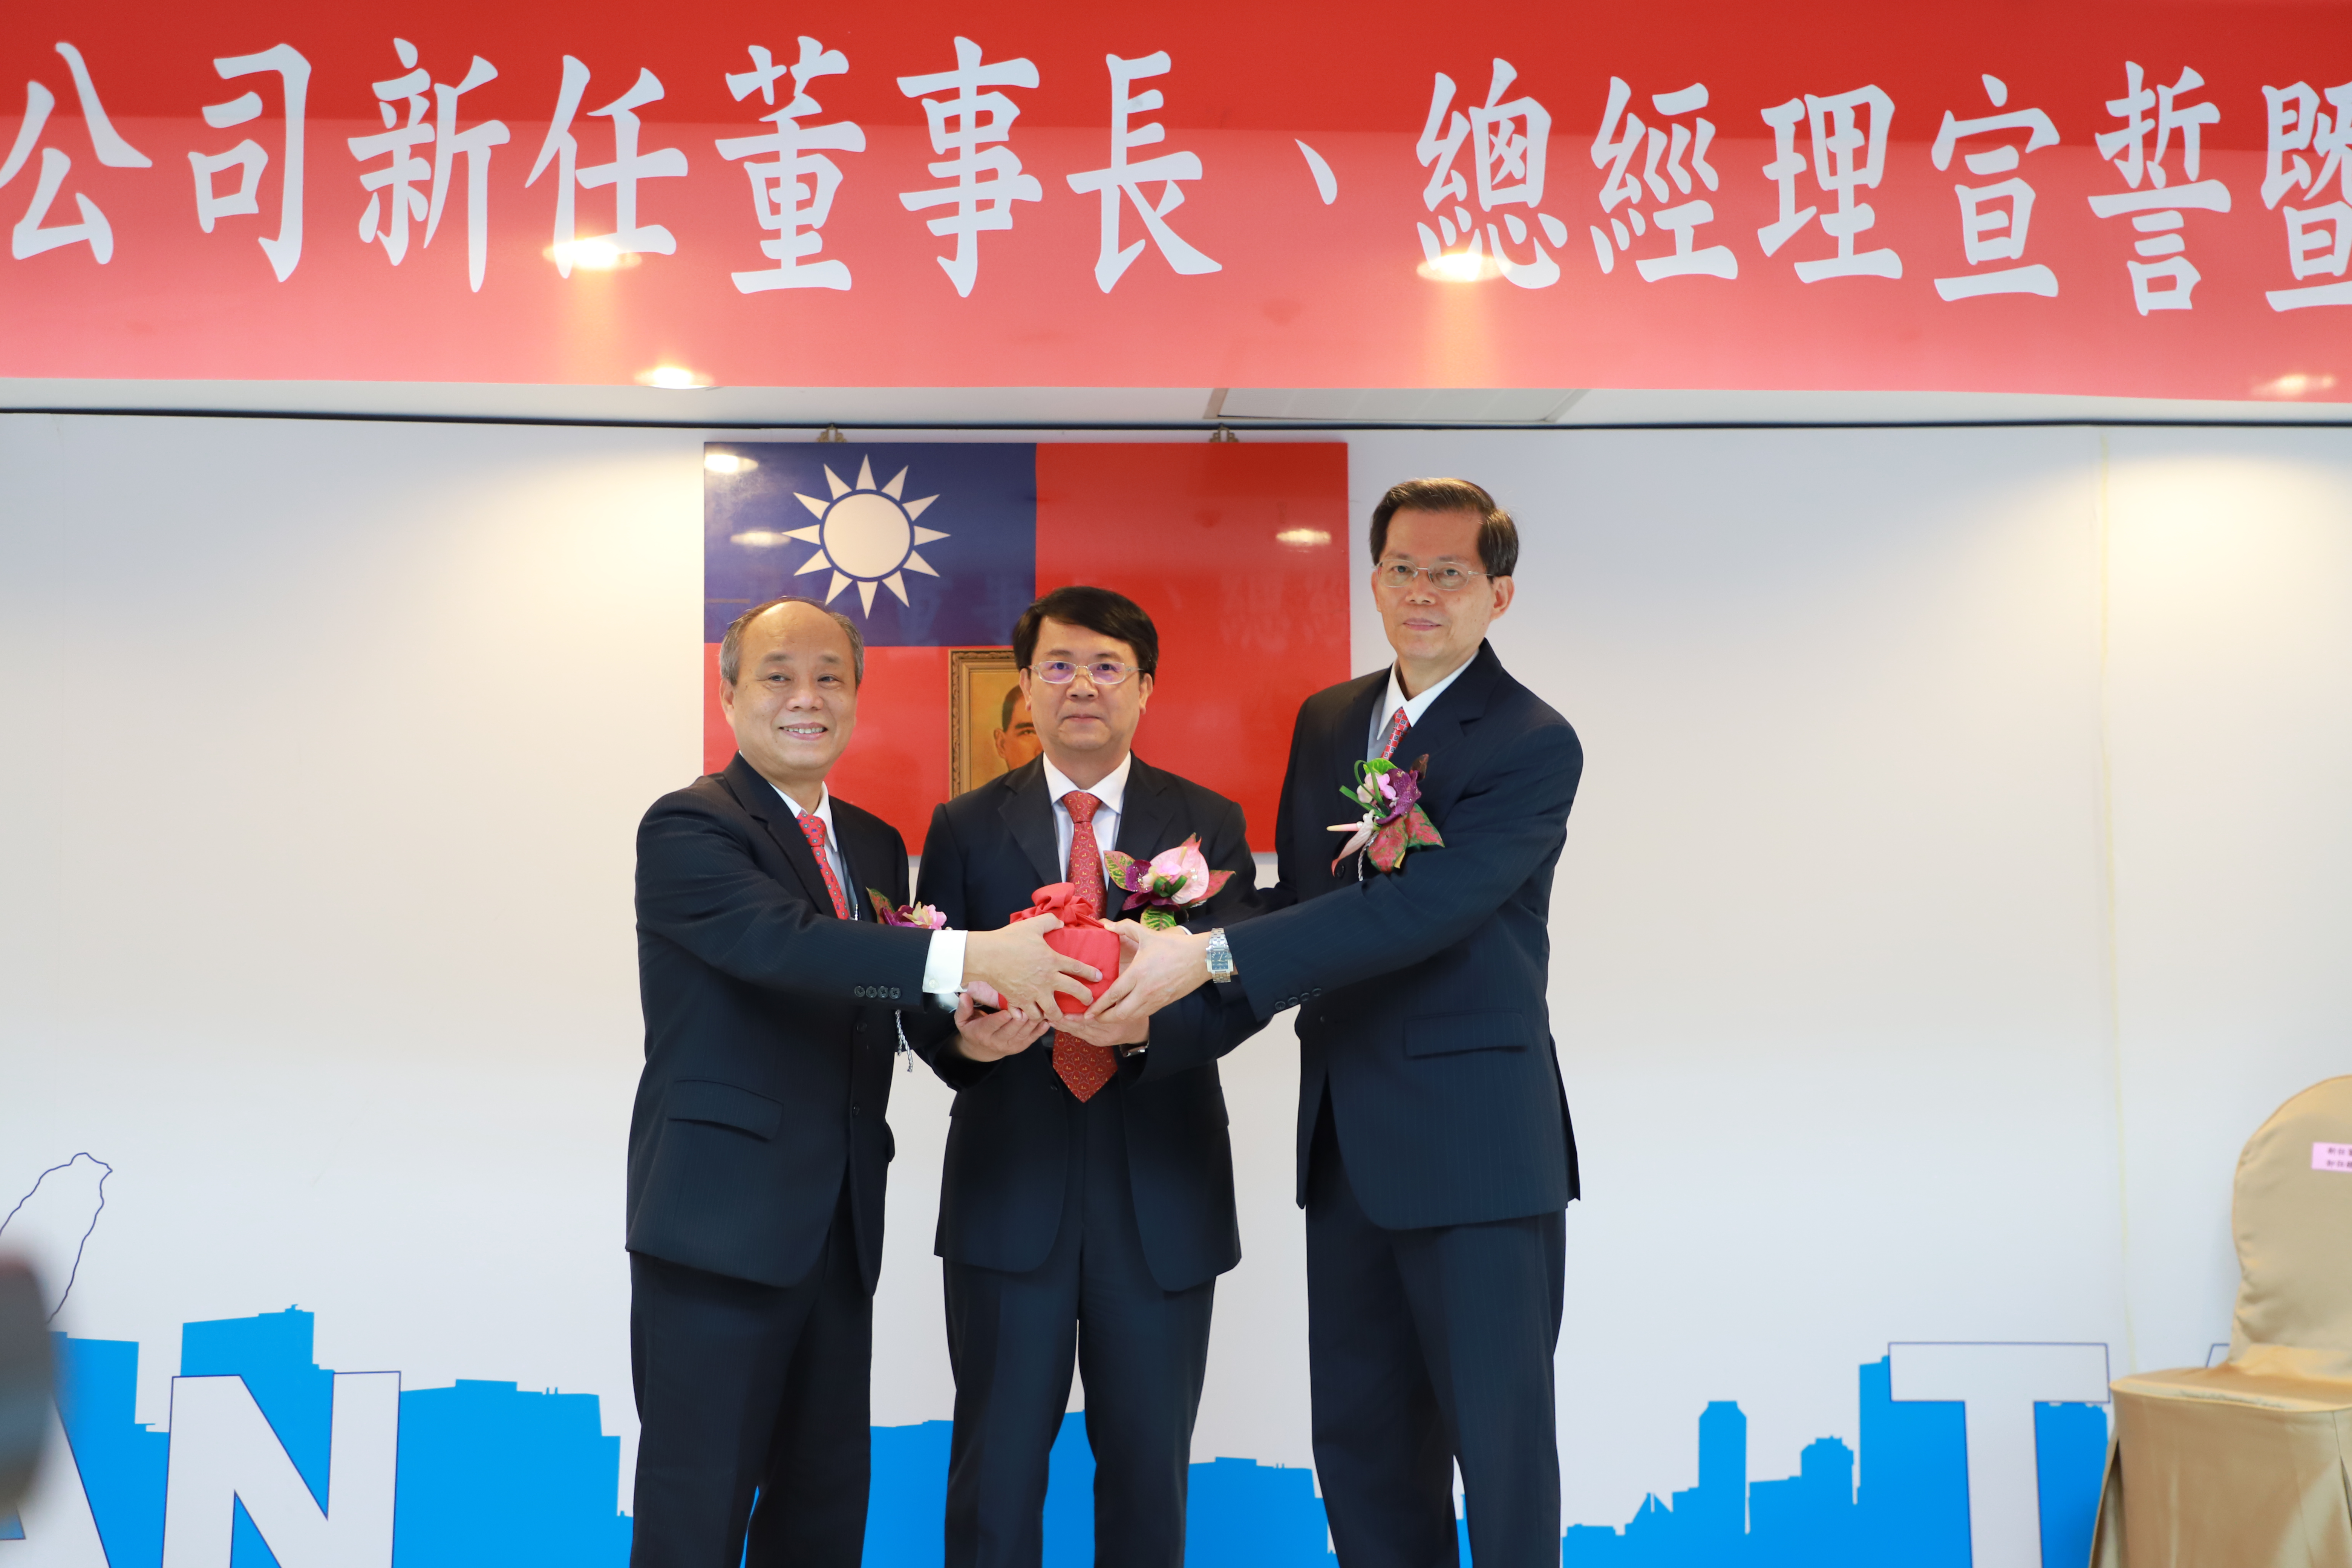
1171	882
921	916
1393	821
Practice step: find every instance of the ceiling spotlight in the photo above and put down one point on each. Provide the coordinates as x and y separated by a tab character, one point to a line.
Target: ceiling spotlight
591	254
729	463
2297	383
673	378
1459	267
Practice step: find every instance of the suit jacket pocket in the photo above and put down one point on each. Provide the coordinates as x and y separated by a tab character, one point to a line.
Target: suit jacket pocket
1450	1034
700	1100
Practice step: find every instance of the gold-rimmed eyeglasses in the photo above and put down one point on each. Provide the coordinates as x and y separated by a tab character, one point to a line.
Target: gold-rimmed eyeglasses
1444	579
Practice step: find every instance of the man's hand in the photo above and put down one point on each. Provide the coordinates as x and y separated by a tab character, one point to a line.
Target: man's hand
1104	1032
1022	969
992	1037
1165	966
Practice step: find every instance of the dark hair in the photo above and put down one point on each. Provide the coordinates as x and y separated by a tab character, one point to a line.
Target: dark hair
731	646
1498	536
1012	695
1098	610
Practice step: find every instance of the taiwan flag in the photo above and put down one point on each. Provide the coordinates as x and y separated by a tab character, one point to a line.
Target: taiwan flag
1237	551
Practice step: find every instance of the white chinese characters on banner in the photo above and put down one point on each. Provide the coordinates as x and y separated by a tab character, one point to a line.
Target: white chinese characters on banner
1509	145
404	173
1622	137
792	192
2156	211
293	72
2319	238
1121	181
987	183
628	166
33	233
1841	125
1995	219
475	143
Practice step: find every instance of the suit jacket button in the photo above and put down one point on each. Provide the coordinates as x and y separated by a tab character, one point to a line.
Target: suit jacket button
859	990
853	1110
894	994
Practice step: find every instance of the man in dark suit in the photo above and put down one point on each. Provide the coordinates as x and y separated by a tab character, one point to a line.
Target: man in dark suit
1086	1206
1435	1158
757	1148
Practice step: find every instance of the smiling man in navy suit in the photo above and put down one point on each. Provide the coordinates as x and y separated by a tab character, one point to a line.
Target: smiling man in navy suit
757	1149
1087	1205
1435	1158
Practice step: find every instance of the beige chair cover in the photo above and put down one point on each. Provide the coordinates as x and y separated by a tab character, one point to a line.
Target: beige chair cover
2249	1464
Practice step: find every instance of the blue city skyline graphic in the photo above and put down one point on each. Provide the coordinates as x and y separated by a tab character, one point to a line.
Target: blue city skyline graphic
493	1474
487	1474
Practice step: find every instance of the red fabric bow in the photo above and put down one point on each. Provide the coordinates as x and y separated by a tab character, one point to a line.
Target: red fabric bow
1081	936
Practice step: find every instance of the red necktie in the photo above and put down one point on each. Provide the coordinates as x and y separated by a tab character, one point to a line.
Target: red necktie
812	829
1391	735
1084	1067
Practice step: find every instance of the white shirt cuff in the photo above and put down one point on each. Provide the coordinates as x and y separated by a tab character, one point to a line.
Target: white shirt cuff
943	968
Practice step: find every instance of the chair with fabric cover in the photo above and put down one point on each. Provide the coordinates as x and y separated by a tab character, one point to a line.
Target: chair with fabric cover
2249	1464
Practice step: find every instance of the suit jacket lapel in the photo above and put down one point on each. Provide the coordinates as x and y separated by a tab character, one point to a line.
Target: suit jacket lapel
1459	707
1350	742
1143	818
1028	817
759	797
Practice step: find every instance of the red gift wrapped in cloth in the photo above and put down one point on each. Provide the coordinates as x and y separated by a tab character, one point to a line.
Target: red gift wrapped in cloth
1081	936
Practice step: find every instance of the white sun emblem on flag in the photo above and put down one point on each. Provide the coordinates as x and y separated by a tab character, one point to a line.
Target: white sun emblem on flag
867	535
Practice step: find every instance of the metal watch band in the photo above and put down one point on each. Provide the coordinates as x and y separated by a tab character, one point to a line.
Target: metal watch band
1221	957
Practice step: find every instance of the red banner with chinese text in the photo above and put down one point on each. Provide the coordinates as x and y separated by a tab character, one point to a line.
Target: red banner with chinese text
2094	199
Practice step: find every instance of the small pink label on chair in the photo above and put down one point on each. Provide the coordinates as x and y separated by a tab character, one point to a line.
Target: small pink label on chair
2331	1156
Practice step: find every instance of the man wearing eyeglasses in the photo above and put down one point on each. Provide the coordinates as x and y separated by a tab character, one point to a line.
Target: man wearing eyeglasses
1086	1204
1435	1158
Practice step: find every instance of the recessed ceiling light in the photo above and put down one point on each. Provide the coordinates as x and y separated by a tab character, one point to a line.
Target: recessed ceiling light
673	378
1460	267
591	254
2297	383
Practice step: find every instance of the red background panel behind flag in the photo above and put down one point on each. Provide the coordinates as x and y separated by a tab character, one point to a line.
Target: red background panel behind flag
1238	550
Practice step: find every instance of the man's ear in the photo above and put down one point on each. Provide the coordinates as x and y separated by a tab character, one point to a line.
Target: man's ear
726	699
1505	589
1142	689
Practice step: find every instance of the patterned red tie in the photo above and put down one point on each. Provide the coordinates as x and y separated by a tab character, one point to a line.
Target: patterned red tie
1391	735
1084	1067
812	829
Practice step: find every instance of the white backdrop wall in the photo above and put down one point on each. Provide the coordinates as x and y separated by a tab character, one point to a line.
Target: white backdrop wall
1960	873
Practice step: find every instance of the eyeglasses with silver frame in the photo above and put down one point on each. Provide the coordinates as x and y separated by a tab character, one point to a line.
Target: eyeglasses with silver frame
1061	672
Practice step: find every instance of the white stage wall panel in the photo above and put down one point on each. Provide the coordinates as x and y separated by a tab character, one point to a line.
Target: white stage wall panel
1959	875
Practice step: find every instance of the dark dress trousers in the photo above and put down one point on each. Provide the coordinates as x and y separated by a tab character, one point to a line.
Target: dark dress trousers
757	1156
1089	1232
1436	1158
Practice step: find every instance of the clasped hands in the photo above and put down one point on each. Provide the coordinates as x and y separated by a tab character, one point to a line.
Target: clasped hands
1155	968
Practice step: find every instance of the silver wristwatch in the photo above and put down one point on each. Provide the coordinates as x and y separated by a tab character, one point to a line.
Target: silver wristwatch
1221	957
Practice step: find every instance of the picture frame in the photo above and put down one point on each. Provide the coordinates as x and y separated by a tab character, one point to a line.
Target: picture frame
984	685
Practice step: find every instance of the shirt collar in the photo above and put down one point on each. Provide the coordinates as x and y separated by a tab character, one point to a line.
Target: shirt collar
1111	789
1415	707
824	806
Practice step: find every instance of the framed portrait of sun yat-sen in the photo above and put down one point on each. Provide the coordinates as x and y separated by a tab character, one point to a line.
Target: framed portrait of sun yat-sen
989	730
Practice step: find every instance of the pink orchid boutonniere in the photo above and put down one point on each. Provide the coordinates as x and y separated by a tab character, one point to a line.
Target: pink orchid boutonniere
1171	882
1389	793
921	916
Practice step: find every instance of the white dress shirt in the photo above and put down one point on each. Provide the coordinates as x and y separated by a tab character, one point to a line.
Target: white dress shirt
1111	790
943	965
1413	707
